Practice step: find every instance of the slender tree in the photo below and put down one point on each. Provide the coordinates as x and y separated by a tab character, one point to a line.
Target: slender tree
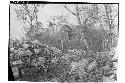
27	13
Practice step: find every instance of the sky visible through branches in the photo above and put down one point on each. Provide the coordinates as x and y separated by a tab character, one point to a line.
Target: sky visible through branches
44	14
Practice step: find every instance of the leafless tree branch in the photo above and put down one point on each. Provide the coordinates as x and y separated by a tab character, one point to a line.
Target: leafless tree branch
69	10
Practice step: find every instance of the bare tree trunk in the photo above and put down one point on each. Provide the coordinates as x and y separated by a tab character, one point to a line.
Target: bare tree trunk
77	15
108	11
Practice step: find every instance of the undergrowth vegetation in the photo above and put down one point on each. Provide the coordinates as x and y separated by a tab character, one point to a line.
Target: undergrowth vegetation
38	62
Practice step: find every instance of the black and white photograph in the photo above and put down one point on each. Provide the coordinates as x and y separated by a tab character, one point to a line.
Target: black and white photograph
63	41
